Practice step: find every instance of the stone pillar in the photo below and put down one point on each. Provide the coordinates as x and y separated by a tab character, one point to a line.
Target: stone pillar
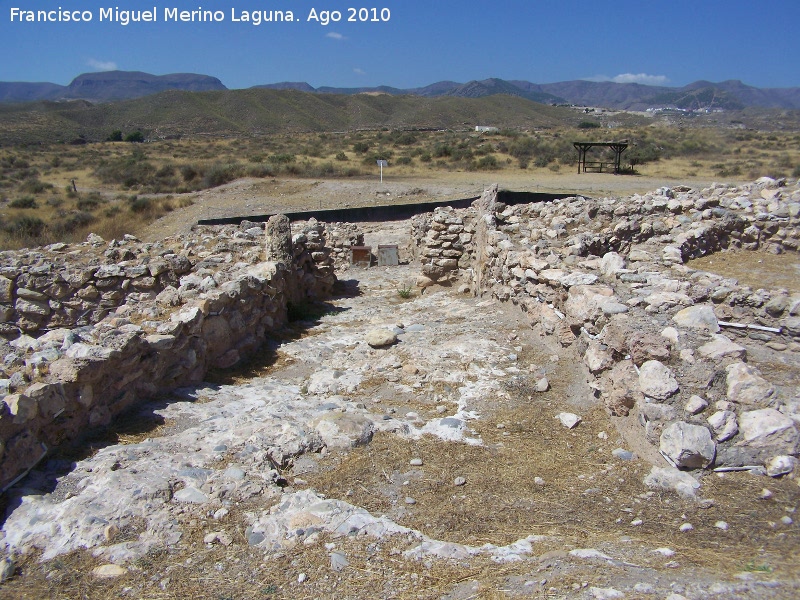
278	246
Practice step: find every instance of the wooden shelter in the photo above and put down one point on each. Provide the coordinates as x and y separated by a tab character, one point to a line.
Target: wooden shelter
585	166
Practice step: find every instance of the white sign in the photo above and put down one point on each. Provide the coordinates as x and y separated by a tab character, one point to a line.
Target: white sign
382	163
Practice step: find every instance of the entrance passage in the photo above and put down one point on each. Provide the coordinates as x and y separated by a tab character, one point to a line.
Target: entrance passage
585	166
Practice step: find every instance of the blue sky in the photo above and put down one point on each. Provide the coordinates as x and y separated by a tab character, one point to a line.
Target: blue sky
670	42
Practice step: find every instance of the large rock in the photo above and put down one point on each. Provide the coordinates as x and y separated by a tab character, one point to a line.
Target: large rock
597	357
645	346
621	388
721	347
745	386
611	264
656	380
380	338
723	422
585	302
689	446
344	430
767	428
700	316
674	480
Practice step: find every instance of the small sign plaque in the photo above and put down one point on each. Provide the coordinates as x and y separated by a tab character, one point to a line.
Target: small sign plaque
383	163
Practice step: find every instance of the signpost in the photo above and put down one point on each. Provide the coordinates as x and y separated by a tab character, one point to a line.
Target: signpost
381	164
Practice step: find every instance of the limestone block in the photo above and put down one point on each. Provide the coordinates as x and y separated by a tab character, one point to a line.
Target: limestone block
656	380
689	446
21	407
745	386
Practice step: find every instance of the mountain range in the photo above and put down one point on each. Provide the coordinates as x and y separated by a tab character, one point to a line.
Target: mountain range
111	86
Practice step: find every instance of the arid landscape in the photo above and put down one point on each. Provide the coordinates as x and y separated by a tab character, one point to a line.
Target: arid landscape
569	385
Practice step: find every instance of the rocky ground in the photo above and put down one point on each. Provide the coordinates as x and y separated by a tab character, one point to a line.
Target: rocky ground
405	442
446	465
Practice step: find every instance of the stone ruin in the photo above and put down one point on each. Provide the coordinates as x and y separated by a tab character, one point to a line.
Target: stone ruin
91	329
607	277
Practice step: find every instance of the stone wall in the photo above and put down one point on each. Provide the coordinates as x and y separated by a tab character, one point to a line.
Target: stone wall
72	379
442	242
607	277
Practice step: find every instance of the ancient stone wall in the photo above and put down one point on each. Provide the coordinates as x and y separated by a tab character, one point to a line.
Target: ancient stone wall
442	242
607	276
226	302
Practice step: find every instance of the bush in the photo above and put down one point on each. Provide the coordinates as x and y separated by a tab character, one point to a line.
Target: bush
34	186
589	125
136	137
71	222
24	202
405	160
90	202
188	172
219	174
115	136
341	156
31	227
488	163
360	148
282	159
140	205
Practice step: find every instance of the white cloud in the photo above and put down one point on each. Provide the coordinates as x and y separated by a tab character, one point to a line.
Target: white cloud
335	36
102	65
643	78
358	71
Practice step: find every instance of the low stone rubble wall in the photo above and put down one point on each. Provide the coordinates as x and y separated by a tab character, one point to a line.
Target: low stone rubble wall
226	302
607	276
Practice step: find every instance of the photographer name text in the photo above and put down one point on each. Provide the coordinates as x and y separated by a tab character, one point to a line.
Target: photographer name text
123	17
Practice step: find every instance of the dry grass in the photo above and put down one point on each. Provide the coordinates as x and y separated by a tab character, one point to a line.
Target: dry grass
687	155
585	492
754	269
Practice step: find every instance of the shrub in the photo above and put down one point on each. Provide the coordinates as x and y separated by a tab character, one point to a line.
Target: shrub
188	172
34	186
405	139
31	227
140	205
136	137
405	160
73	221
282	159
488	163
341	156
219	174
115	136
24	202
360	148
90	202
589	125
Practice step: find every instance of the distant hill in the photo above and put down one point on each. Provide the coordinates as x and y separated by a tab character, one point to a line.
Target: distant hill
125	85
21	91
266	111
730	95
108	86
